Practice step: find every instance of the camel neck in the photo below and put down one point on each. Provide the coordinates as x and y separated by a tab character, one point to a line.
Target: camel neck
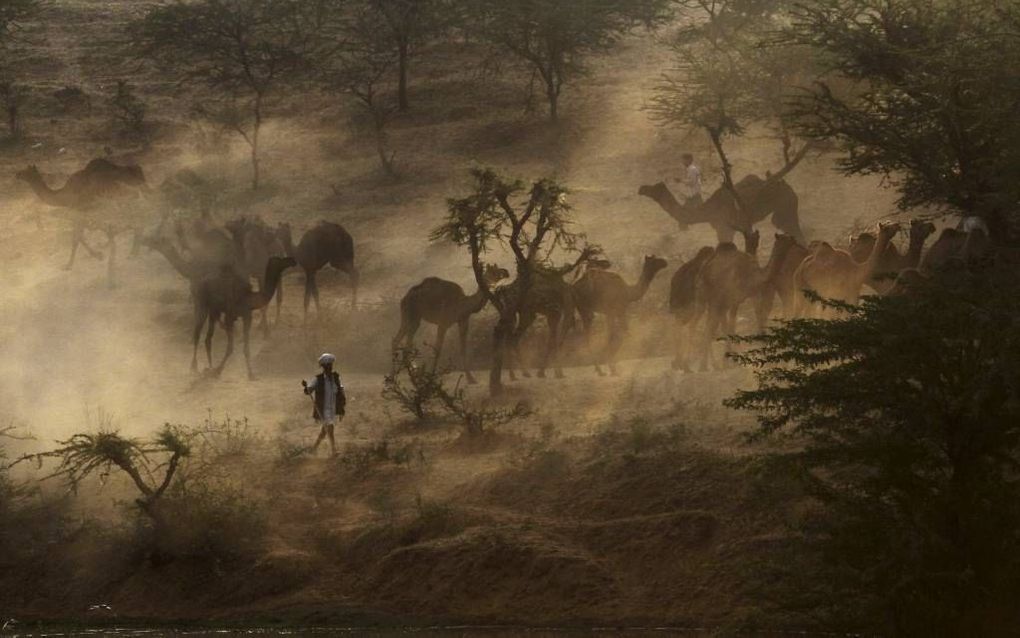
262	298
913	256
45	193
638	290
868	268
184	268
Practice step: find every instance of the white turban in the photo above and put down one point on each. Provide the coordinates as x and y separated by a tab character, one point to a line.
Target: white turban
326	359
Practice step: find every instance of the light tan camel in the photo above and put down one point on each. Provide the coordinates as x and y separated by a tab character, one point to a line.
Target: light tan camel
229	297
443	303
726	280
83	193
835	274
325	243
892	260
683	304
606	293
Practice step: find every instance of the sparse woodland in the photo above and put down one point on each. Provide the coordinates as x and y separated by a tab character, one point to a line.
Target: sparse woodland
811	421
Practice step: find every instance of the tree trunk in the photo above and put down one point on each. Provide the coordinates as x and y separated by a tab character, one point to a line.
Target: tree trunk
385	158
403	55
256	129
501	336
12	119
553	95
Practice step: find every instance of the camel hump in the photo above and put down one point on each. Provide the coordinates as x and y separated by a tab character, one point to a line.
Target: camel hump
726	247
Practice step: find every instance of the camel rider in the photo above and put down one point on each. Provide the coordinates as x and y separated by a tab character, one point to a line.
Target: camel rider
329	400
691	180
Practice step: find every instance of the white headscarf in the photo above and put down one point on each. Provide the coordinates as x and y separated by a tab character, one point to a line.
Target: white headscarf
326	358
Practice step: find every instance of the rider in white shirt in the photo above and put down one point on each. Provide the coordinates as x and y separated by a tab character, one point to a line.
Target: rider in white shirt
691	180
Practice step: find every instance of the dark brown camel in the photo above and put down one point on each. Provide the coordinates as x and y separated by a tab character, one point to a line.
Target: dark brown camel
254	244
763	197
606	293
443	303
682	303
85	191
552	298
228	297
205	241
325	243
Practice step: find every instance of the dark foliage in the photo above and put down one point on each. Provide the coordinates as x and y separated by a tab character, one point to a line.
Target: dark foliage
924	93
903	420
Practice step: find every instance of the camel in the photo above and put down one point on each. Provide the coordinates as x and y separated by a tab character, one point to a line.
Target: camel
226	296
892	260
254	244
552	298
325	243
606	293
205	241
835	274
682	297
727	279
763	197
444	304
952	245
789	254
83	192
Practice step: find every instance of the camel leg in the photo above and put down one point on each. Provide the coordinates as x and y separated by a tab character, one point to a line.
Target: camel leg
111	246
77	235
440	339
552	349
680	361
309	287
522	326
712	321
200	317
213	320
617	332
279	299
355	280
230	346
462	329
246	334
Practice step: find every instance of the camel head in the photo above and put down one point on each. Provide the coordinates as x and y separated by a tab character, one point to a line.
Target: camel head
861	245
494	274
652	265
887	230
654	191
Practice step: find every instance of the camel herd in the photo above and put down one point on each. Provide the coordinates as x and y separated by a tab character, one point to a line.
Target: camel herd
707	292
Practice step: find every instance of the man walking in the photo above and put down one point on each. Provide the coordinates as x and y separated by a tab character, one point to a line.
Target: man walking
691	181
329	399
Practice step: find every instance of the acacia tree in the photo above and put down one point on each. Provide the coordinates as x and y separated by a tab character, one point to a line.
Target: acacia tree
410	23
923	93
13	15
530	224
730	74
555	39
246	51
357	64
